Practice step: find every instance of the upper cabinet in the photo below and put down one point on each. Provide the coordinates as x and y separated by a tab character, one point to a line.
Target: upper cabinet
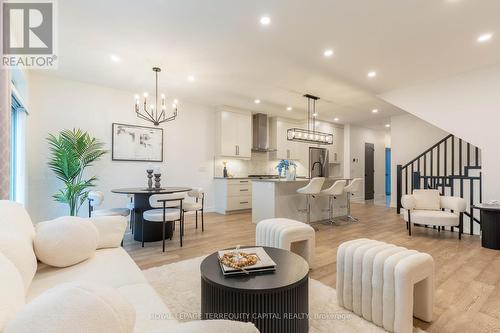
233	133
278	141
336	150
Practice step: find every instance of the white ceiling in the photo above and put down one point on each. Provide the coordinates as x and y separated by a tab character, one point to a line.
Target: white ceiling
236	60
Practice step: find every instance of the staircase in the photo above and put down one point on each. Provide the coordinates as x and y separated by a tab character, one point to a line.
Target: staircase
451	166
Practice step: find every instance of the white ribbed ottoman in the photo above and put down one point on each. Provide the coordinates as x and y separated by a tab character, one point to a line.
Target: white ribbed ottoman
287	234
385	283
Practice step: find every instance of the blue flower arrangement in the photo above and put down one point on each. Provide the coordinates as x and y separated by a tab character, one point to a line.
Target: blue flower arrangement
285	165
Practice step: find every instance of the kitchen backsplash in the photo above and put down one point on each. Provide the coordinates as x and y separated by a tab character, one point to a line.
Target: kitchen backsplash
259	164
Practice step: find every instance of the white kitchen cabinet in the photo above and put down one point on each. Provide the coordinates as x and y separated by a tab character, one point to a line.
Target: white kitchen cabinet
233	132
335	151
285	149
232	195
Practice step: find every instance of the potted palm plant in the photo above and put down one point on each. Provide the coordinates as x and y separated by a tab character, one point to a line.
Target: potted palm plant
72	151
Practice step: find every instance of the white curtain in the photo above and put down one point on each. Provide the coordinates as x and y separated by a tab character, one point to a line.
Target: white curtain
5	133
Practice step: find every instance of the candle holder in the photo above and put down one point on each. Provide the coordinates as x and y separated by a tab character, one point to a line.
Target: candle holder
150	178
157	180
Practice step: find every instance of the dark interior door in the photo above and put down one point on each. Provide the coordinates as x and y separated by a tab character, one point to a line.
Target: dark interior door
369	171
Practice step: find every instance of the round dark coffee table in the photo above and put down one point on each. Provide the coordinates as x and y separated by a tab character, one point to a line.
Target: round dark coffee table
275	302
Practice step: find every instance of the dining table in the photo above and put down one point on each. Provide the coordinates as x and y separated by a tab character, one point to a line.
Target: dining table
152	231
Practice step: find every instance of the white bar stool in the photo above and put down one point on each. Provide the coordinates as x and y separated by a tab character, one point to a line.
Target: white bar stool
312	188
351	189
336	189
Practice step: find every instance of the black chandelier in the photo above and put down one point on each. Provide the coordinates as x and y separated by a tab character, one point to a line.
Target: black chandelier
310	135
155	113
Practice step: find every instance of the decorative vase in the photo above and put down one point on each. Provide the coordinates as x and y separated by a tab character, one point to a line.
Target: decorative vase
150	178
290	174
157	180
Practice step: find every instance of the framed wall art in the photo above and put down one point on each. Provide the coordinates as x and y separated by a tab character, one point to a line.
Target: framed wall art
136	143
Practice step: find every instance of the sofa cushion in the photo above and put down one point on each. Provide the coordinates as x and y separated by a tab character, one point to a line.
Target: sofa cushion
65	241
150	311
111	230
108	267
11	291
75	307
15	219
427	199
433	217
19	251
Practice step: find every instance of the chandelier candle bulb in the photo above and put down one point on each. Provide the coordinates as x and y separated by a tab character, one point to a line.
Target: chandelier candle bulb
160	103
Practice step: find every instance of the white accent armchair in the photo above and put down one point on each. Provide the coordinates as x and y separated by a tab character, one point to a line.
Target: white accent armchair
427	207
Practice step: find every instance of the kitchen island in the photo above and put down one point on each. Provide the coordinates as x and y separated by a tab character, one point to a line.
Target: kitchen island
279	198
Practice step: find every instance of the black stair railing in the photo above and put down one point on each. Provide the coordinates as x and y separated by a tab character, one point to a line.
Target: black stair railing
444	166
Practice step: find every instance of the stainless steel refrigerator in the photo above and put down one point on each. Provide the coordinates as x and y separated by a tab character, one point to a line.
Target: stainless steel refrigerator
318	162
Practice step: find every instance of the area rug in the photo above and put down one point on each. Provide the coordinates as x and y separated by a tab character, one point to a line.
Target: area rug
178	284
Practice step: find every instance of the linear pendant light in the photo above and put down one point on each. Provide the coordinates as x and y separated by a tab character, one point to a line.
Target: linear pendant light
310	134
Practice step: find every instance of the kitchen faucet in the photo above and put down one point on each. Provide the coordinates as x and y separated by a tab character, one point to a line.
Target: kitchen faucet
320	168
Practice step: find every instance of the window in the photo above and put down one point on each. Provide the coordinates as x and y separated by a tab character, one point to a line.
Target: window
18	149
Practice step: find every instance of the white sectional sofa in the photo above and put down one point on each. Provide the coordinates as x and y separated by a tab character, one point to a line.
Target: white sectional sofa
111	267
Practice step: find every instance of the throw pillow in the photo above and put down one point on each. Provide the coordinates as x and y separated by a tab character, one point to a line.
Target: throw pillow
65	241
427	199
111	230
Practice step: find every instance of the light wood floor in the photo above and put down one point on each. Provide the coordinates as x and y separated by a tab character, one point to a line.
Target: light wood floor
467	297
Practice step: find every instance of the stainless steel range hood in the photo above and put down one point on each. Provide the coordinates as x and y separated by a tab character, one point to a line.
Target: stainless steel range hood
259	136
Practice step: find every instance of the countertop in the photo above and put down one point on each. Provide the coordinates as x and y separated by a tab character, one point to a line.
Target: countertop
298	180
255	178
233	178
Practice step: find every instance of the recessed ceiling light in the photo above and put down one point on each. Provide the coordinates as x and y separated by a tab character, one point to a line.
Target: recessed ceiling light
375	111
372	74
328	53
257	101
335	119
265	20
387	125
115	58
484	37
289	108
191	78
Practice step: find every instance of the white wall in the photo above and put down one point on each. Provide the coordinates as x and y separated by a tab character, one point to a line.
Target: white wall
356	138
57	104
410	136
468	106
